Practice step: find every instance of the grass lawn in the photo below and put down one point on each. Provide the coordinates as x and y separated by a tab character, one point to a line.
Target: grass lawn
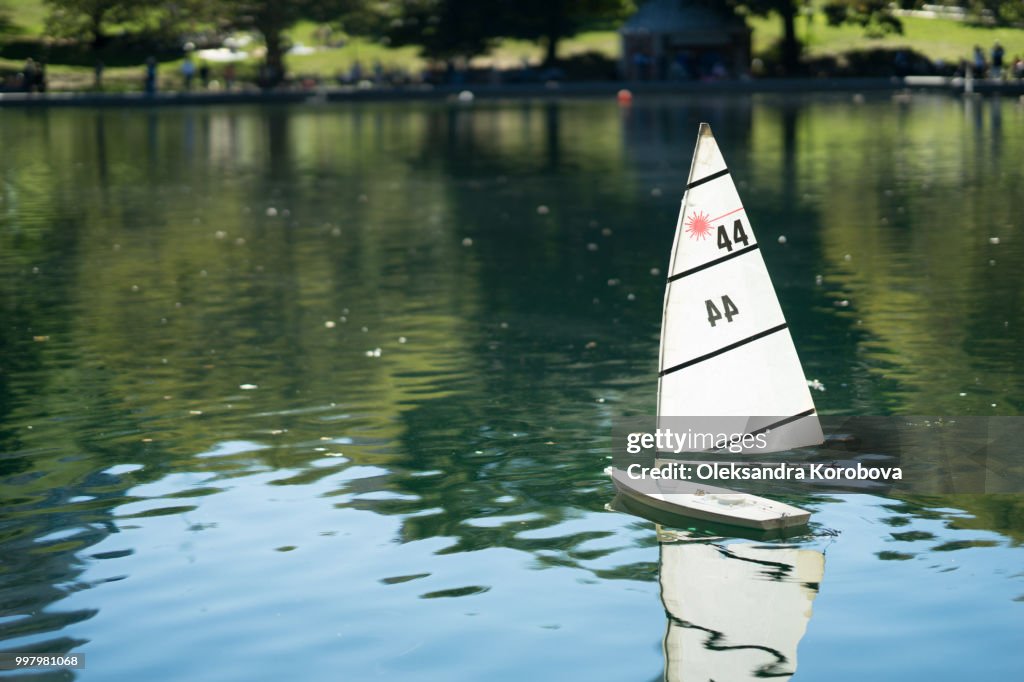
936	38
329	61
28	16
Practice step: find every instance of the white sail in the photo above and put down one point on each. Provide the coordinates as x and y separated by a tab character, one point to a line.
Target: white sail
725	347
737	612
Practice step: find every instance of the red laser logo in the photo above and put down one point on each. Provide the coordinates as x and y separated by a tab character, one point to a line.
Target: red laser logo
698	225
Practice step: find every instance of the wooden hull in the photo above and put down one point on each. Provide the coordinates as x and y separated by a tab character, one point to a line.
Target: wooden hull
712	504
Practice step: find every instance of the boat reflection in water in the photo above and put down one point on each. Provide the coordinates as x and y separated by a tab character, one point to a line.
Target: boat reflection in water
736	610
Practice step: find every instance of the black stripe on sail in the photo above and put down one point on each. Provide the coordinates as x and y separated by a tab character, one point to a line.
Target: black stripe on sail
712	263
723	349
708	178
783	422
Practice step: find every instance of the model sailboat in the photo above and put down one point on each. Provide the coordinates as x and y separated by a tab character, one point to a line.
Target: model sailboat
726	351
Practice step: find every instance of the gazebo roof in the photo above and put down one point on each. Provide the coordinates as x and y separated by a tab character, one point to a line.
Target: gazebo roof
681	16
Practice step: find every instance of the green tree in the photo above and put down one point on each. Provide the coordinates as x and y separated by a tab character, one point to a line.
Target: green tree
443	28
169	21
272	18
5	18
1002	11
88	20
869	11
553	20
874	15
465	28
787	11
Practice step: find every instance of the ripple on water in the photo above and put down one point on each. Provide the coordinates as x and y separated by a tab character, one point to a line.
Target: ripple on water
232	447
467	591
498	521
398	579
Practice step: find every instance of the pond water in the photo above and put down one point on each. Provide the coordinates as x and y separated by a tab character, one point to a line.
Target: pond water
327	392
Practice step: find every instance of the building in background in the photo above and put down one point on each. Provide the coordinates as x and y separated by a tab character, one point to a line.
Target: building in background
684	40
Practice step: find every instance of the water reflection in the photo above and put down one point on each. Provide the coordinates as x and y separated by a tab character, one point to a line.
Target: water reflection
191	397
735	611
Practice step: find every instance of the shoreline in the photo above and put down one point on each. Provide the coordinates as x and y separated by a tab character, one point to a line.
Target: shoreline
337	94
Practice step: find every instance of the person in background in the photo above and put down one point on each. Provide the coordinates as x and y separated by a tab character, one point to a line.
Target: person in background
661	67
188	71
40	84
204	75
997	60
150	75
1018	67
641	65
229	76
979	62
28	75
901	63
97	74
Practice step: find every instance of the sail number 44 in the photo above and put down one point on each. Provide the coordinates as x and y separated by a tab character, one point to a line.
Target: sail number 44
739	236
729	310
